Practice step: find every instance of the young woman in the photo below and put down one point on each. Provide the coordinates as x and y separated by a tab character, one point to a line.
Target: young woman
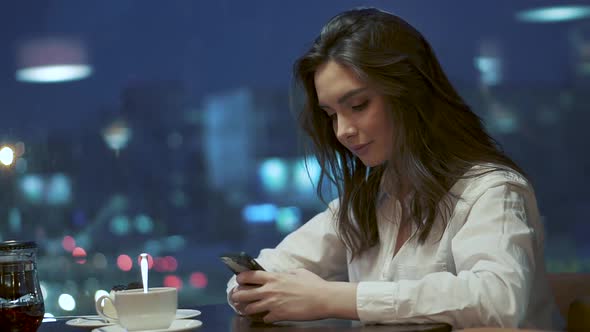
433	222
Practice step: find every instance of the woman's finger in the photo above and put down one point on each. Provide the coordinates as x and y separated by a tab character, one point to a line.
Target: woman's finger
245	287
254	308
247	295
257	317
254	277
240	307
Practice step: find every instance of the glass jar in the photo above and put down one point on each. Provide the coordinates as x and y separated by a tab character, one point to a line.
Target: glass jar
21	300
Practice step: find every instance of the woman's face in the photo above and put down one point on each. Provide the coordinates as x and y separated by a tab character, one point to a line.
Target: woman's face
360	116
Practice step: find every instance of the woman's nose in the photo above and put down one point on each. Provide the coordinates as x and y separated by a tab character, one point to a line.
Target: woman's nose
345	129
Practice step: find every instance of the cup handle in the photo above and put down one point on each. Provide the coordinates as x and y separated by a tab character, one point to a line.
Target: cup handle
99	307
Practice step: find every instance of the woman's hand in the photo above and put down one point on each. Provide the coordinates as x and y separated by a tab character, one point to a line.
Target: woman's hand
240	306
296	295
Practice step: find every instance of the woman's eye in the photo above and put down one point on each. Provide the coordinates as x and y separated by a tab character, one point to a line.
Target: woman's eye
361	106
333	116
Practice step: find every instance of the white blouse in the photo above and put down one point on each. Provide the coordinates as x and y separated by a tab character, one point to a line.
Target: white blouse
487	268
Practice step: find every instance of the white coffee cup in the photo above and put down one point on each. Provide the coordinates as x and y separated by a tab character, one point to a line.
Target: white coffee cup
136	310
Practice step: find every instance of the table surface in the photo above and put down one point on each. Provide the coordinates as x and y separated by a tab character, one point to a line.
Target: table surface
221	317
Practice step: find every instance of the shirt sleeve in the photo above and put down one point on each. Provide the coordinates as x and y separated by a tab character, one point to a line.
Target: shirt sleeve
494	258
315	246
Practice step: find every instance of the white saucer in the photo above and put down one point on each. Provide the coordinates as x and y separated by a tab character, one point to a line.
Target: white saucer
177	325
186	313
94	321
90	321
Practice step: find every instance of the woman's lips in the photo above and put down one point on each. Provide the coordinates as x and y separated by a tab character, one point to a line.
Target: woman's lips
360	149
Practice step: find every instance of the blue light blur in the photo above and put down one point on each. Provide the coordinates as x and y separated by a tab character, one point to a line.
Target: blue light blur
32	188
59	189
174	242
154	247
489	68
144	224
120	225
273	174
306	174
261	213
53	74
554	14
288	219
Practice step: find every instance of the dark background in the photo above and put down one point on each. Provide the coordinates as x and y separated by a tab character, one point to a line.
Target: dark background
213	160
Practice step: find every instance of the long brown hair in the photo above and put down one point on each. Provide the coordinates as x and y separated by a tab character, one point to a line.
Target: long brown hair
436	139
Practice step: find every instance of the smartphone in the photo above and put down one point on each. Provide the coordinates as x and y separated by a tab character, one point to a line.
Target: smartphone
240	262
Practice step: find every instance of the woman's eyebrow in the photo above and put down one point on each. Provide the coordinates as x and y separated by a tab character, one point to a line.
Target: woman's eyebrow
346	96
350	94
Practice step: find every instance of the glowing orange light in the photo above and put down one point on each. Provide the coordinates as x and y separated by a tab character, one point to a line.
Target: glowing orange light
173	281
68	243
124	262
79	254
198	280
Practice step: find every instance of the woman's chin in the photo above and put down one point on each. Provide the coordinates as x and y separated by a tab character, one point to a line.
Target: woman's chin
371	162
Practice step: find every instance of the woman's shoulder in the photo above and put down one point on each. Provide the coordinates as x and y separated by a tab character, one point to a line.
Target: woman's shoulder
494	173
482	177
333	207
